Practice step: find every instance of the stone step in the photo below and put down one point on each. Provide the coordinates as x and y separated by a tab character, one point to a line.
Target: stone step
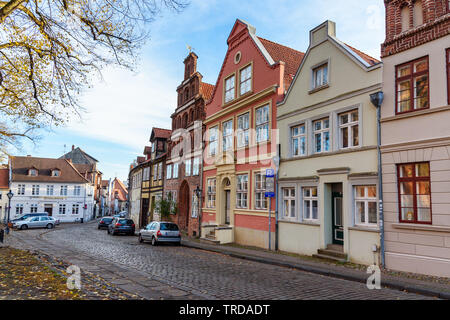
327	257
333	253
335	247
209	241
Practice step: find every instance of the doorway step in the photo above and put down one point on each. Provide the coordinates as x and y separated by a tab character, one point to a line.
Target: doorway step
210	237
332	252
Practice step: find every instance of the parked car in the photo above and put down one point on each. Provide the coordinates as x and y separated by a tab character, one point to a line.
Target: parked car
159	232
29	215
35	222
121	225
105	222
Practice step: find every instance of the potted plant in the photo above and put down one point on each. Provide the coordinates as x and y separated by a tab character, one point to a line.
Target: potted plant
165	207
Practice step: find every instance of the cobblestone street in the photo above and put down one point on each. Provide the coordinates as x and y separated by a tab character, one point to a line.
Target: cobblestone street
172	272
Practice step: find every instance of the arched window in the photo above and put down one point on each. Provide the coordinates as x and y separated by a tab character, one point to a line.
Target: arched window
185	120
405	18
186	94
191	116
418	13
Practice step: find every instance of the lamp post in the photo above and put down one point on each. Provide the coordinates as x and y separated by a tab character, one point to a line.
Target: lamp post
377	100
198	193
9	195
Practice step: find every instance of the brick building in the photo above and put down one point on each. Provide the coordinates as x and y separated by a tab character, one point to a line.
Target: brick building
415	148
184	164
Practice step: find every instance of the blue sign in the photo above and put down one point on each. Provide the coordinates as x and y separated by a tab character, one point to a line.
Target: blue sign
270	173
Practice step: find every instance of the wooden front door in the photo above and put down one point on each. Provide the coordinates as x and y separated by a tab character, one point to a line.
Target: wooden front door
144	212
49	209
337	223
184	207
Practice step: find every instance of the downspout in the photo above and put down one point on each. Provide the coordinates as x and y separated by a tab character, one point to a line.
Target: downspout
377	101
276	199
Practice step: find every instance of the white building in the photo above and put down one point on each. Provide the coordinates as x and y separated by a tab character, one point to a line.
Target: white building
4	189
50	185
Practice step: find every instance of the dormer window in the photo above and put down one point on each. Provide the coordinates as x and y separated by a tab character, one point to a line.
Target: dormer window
320	76
33	172
56	173
153	147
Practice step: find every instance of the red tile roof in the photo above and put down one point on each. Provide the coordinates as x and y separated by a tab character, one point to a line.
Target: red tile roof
370	60
139	160
162	133
4	178
207	90
292	58
121	190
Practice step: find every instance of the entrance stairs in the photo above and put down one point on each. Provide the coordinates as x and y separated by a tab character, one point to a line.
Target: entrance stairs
332	252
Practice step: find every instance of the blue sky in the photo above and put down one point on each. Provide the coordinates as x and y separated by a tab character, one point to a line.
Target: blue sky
122	108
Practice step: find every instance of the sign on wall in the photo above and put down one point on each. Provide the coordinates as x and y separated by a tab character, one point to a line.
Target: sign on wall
270	183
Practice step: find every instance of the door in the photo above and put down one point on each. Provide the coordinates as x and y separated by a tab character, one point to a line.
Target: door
227	206
49	209
144	212
34	223
337	224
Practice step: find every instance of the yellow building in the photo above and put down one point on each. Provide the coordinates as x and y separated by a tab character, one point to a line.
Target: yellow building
328	136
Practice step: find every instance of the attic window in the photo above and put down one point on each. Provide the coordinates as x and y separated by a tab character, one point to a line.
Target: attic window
56	173
33	173
237	57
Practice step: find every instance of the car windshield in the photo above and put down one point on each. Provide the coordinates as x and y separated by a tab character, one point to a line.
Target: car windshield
126	222
107	219
169	227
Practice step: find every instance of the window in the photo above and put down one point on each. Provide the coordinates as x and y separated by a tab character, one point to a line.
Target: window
320	76
213	141
227	135
412	86
169	172
195	204
298	140
321	135
175	170
260	190
33	172
155	172
414	192
310	204
21	189
243	130
55	173
153	147
50	190
146	175
288	203
242	191
187	167
33	208
418	13
262	124
349	129
196	167
211	193
160	171
405	18
35	190
19	209
77	191
229	89
366	205
63	191
246	80
62	209
75	209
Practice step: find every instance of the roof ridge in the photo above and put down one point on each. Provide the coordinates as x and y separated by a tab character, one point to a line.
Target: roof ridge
282	45
73	167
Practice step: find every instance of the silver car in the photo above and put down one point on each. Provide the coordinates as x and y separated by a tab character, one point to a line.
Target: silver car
35	222
158	232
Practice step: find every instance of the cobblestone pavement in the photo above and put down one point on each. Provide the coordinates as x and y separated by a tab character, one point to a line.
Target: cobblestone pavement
172	272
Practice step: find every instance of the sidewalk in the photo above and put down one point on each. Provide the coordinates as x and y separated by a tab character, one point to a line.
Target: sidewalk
390	279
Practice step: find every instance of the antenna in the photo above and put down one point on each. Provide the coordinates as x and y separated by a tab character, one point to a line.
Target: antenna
64	149
190	49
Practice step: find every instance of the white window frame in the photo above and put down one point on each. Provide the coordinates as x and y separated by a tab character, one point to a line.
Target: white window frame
245	80
19	209
211	203
160	170
35	190
33	208
169	171
188	167
213	139
289	215
260	189
230	89
20	189
308	216
242	191
62	209
77	207
365	200
349	125
77	191
196	166
322	131
262	125
318	71
243	137
63	191
50	190
227	136
299	137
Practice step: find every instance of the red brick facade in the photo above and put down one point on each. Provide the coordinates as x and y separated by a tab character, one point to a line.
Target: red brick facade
192	94
436	24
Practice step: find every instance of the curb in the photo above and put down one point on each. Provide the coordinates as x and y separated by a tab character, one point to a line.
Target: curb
392	284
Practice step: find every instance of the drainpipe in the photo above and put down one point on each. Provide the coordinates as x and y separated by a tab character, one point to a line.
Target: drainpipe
277	164
377	100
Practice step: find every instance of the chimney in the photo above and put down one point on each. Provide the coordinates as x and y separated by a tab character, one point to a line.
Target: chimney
73	147
28	155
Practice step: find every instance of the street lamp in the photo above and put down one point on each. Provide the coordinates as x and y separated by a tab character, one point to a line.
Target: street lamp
9	195
377	100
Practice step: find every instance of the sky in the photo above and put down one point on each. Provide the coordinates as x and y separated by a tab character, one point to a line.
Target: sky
122	108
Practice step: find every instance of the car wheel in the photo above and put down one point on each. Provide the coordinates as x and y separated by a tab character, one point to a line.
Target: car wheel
98	228
113	232
23	227
109	232
49	226
154	242
140	239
